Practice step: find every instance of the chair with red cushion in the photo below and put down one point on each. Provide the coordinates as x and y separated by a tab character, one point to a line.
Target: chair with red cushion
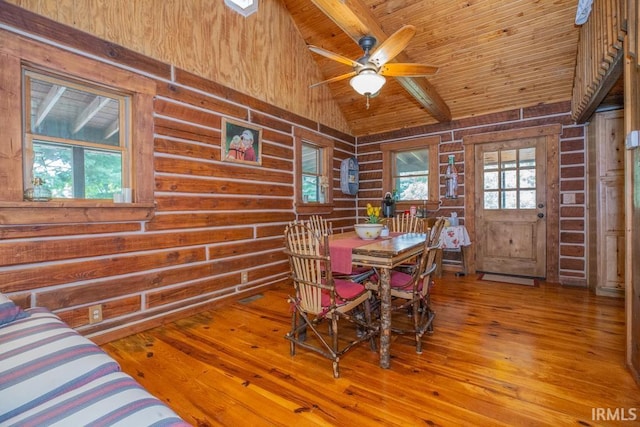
319	296
321	226
411	291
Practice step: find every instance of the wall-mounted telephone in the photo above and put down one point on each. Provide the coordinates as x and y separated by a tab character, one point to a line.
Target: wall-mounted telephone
349	179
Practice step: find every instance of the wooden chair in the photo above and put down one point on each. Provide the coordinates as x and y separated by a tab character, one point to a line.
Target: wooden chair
323	227
437	224
319	297
411	291
405	223
320	225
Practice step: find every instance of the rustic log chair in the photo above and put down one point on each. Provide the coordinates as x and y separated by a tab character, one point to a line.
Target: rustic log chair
321	226
405	223
411	291
319	296
435	226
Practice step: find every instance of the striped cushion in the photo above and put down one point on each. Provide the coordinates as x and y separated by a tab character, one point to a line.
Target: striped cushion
115	399
42	358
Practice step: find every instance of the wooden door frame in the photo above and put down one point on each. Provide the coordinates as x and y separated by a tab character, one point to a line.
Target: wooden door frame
552	203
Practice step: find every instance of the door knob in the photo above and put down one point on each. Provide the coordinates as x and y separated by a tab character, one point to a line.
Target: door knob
540	215
540	205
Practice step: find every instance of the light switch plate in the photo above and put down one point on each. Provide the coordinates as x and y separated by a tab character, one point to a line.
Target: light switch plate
633	139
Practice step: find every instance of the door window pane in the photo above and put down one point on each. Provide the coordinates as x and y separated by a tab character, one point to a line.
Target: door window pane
509	179
491	181
491	200
527	199
509	200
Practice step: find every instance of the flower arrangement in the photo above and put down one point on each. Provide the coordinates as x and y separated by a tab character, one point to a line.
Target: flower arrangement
373	214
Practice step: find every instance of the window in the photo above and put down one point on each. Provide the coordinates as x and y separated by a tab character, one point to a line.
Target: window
314	176
75	138
40	142
314	180
411	168
410	174
510	179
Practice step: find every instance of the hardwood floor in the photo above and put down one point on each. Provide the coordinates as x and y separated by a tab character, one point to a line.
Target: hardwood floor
501	354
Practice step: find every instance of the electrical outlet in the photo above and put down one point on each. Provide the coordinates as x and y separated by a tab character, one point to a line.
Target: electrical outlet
244	277
95	313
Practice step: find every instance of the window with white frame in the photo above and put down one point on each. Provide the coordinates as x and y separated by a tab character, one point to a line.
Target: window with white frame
76	137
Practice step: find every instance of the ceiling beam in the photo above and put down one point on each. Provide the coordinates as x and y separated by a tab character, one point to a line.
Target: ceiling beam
356	20
48	103
90	110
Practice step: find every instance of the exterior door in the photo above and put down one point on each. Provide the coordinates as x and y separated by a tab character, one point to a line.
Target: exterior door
510	207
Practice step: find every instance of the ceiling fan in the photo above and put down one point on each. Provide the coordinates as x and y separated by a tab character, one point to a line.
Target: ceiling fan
367	77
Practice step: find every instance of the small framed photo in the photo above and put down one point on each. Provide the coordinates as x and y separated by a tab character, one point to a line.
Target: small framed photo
241	142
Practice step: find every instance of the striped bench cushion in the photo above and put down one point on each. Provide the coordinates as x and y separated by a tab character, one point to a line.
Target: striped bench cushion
115	399
42	358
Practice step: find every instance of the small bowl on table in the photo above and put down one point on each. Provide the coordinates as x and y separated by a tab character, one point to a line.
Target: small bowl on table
368	231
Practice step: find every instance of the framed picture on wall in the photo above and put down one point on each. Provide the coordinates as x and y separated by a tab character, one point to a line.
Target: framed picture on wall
241	142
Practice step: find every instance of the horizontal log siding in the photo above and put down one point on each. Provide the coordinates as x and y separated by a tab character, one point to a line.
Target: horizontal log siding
571	236
213	219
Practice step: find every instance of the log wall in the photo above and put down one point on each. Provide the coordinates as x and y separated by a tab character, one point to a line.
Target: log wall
213	219
569	237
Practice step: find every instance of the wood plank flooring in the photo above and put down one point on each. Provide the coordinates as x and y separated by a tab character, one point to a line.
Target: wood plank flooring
501	355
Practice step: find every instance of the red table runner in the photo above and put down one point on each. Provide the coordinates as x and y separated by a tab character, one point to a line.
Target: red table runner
340	251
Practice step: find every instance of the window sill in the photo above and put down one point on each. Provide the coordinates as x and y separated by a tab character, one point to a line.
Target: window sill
73	211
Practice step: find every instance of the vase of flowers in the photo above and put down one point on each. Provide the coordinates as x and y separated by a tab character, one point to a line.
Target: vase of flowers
372	228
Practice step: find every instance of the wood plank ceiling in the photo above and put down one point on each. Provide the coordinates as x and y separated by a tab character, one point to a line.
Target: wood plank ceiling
493	55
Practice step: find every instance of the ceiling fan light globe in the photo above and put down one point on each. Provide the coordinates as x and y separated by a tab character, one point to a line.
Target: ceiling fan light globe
367	83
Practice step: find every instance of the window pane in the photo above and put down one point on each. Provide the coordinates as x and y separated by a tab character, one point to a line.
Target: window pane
411	174
509	179
527	178
527	157
310	159
310	186
490	160
62	111
54	165
508	158
412	162
509	200
527	199
103	172
491	200
491	180
413	188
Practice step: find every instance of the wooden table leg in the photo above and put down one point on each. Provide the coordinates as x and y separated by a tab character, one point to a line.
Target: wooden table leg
385	317
464	253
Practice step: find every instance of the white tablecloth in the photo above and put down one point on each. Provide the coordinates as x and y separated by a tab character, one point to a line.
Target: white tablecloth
452	238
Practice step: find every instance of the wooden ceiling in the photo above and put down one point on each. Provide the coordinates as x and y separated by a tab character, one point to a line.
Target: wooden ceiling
493	55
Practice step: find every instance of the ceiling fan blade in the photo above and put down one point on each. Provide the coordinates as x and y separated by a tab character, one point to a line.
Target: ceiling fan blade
335	79
342	59
392	46
396	69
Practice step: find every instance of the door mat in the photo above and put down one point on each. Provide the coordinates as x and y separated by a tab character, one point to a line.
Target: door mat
527	281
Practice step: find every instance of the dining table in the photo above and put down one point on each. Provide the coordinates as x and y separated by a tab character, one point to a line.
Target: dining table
383	254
